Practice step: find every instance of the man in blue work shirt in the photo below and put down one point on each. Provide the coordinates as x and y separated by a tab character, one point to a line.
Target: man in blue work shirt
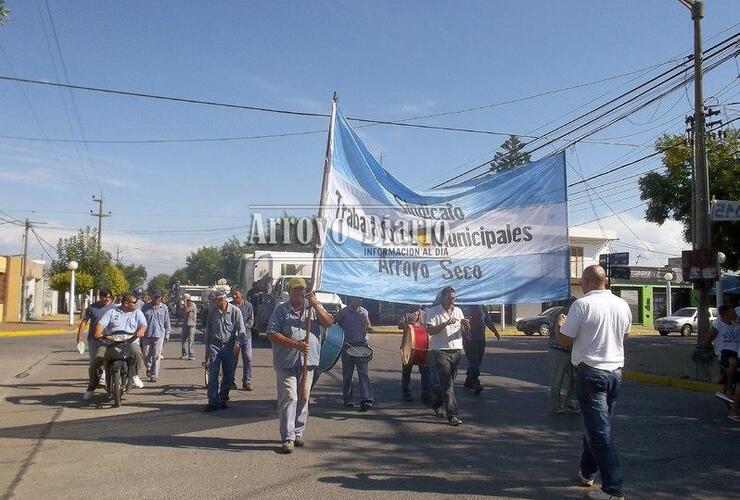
287	332
124	318
245	348
157	333
355	322
224	333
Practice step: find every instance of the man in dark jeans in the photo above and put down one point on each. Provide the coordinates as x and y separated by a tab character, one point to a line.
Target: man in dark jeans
474	344
446	324
597	325
413	315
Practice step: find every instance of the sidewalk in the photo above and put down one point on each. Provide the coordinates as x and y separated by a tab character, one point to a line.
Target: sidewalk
48	325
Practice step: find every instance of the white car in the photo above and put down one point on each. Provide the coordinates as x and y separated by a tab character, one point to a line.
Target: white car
684	321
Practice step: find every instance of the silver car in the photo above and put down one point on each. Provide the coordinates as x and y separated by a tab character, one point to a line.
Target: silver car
684	321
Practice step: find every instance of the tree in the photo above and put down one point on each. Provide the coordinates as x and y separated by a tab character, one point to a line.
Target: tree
179	276
83	248
231	256
60	281
114	280
135	275
159	282
512	156
203	267
4	13
669	194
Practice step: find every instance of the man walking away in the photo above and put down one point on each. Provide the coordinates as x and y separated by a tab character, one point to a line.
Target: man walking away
157	333
246	347
474	344
598	324
190	319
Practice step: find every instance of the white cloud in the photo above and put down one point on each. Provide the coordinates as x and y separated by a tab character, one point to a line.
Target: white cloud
423	106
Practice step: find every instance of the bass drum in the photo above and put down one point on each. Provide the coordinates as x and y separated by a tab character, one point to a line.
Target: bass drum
331	348
415	345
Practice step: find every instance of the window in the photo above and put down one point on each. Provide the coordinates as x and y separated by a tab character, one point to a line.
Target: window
576	262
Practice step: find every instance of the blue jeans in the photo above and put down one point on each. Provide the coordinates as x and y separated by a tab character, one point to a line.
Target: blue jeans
597	393
474	348
364	385
246	355
220	356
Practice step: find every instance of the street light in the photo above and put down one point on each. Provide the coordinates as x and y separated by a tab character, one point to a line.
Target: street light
668	277
719	293
72	266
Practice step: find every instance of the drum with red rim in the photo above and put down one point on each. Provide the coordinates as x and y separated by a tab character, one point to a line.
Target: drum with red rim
415	345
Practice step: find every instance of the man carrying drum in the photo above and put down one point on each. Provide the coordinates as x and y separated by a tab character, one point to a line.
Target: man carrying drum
414	315
287	332
446	324
355	322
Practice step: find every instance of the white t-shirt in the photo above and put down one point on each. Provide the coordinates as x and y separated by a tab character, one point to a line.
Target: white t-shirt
598	323
727	337
451	336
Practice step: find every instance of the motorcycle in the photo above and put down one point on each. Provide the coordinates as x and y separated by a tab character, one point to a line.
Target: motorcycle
119	365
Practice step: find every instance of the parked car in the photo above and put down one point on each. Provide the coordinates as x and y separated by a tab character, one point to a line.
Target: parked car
540	324
684	321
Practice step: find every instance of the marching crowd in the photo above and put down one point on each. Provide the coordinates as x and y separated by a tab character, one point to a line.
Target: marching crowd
586	350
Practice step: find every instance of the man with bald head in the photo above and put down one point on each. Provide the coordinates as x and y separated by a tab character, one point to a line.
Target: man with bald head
598	324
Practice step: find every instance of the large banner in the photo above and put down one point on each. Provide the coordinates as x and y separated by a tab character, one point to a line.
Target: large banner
497	239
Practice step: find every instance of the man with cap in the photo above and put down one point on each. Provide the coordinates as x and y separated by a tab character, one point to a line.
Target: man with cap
157	333
246	347
190	317
139	294
224	333
355	322
287	332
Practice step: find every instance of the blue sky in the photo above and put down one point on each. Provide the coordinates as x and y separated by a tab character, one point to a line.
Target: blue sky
387	60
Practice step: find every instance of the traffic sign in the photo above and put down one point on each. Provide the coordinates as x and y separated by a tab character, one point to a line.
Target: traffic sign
620	272
607	260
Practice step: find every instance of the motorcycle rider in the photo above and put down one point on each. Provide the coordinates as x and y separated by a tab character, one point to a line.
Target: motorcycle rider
125	317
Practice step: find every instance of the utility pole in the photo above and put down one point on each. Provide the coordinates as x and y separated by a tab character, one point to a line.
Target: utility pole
701	225
118	255
99	215
28	226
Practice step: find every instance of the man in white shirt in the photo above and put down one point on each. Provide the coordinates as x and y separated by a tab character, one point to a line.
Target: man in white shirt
446	323
597	325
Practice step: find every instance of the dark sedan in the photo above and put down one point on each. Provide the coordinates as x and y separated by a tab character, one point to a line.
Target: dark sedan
540	324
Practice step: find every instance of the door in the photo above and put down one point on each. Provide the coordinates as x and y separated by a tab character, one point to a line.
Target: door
632	297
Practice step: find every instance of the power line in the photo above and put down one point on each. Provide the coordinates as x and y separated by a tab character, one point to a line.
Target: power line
612	170
625	94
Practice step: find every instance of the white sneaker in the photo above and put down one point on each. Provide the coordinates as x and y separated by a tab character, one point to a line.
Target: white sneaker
87	395
600	495
137	382
161	356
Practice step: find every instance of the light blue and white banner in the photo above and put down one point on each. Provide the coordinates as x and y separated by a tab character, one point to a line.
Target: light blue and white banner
498	239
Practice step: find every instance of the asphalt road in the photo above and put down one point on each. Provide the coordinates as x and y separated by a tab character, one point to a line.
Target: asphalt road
672	443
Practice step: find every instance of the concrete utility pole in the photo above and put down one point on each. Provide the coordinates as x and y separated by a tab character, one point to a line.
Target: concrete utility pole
99	215
28	226
701	223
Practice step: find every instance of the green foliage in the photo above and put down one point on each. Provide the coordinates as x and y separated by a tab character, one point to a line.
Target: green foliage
159	282
4	13
135	275
669	194
113	279
511	156
83	248
181	276
203	266
60	281
231	255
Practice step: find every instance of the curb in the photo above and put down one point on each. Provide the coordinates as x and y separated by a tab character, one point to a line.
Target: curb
30	333
679	383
